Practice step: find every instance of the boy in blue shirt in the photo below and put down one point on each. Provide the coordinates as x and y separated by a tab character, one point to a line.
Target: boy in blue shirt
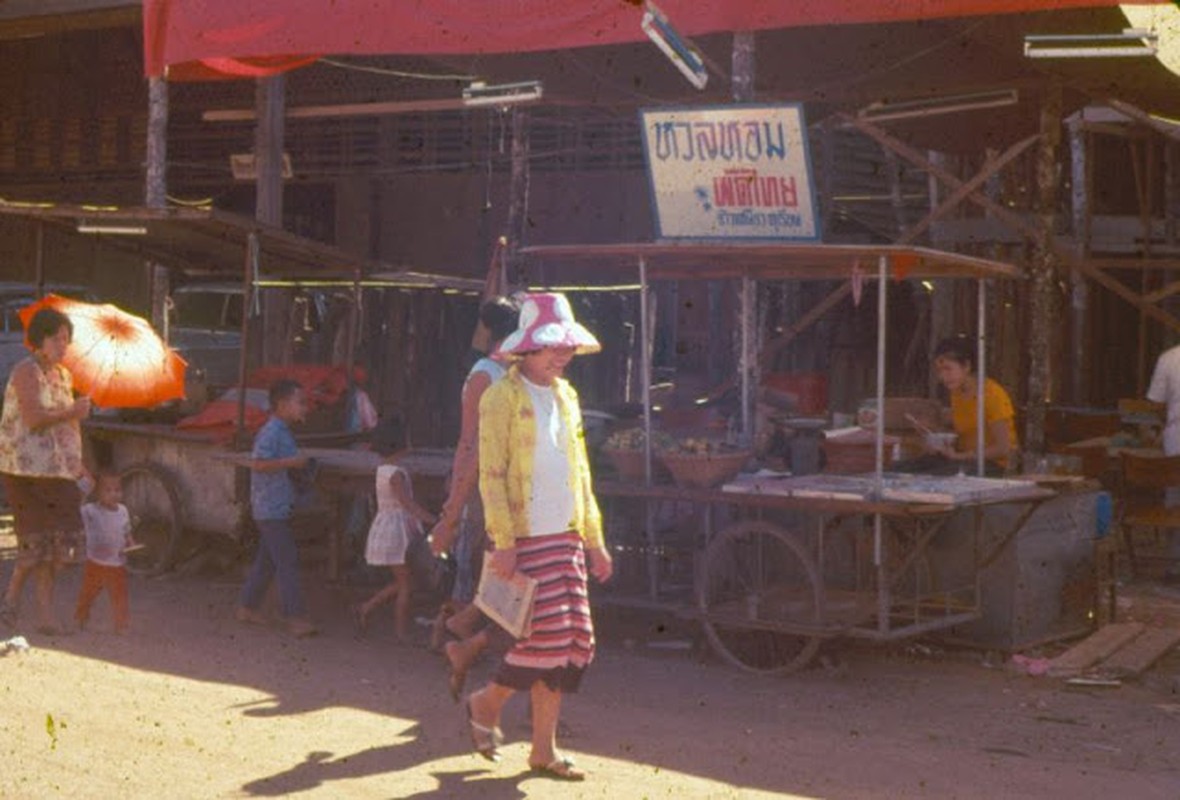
272	497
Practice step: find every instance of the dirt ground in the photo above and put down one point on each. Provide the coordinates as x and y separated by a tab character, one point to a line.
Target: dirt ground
192	705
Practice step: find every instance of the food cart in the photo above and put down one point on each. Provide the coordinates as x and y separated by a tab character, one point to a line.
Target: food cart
178	481
772	565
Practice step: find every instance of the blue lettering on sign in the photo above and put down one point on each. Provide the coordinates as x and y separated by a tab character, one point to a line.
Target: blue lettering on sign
748	217
725	141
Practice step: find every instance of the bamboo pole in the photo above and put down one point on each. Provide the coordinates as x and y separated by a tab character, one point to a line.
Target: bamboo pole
1043	269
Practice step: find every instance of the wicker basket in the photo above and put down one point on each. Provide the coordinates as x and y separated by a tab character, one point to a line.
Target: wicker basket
704	471
628	464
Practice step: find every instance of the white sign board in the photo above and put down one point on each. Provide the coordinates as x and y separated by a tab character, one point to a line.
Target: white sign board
730	172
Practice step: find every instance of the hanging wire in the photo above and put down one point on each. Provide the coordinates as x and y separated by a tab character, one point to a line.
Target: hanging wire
397	73
487	184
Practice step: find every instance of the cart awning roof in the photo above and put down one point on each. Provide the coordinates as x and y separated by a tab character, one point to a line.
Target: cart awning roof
249	38
768	261
203	241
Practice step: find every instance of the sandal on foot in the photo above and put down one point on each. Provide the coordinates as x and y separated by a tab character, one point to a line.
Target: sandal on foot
561	769
484	739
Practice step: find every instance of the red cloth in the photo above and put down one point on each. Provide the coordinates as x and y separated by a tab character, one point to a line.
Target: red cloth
95	578
181	34
220	418
323	384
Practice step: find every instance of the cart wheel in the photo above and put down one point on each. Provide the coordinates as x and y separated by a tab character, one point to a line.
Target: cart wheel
760	575
150	495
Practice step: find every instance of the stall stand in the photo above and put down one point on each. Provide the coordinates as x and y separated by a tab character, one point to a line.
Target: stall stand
772	565
177	481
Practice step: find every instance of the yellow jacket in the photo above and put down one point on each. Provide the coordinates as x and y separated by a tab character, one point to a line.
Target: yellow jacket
507	440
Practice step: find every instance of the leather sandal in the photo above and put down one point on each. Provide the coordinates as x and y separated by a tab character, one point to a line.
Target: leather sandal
485	740
560	769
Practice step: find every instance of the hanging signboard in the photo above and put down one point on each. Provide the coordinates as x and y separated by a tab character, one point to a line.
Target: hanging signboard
730	172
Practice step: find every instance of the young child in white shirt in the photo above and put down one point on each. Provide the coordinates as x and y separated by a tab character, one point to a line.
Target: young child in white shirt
108	535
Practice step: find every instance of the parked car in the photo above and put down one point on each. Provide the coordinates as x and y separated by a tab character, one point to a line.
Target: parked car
205	327
13	297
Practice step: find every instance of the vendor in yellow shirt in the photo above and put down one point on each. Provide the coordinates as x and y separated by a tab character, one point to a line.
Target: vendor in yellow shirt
954	363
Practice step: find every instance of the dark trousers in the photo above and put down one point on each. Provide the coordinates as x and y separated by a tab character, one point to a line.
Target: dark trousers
278	558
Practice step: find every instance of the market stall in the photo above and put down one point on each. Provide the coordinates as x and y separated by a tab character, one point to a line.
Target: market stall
772	564
181	478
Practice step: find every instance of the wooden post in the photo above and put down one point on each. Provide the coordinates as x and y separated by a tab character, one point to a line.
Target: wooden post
1043	271
942	298
518	194
156	194
1079	374
747	345
270	106
39	259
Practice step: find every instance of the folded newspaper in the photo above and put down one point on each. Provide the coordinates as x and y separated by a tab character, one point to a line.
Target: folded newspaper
508	603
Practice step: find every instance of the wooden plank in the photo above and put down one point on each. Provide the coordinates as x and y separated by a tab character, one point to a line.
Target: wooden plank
1143	651
1093	649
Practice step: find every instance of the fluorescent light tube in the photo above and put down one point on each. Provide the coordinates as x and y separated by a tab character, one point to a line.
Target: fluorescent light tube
116	230
1131	42
680	51
933	106
505	94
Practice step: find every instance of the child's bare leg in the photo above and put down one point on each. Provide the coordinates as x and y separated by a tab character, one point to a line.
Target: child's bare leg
44	576
462	654
401	608
386	592
463	622
20	573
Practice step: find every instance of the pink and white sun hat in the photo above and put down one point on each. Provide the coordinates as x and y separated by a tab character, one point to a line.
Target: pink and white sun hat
546	320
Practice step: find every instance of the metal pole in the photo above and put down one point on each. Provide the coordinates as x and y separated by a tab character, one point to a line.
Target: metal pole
748	313
878	482
882	275
354	316
653	583
981	373
39	259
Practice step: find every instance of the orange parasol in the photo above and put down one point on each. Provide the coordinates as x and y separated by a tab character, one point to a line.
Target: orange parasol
116	358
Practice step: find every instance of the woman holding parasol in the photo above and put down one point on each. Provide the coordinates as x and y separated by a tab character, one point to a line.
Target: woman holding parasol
41	463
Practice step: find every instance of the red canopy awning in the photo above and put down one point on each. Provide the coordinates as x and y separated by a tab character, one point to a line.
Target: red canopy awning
251	38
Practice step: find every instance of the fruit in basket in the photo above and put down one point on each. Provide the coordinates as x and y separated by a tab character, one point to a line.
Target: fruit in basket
701	446
699	462
634	439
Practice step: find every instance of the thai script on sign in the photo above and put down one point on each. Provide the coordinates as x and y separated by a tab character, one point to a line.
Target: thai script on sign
727	141
759	219
746	188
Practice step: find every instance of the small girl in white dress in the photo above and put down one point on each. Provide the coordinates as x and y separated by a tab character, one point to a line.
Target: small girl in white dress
398	520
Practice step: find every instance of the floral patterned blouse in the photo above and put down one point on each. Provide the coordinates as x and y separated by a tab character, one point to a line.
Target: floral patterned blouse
507	439
54	451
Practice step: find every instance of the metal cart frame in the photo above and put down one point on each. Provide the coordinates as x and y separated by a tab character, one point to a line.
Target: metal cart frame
759	587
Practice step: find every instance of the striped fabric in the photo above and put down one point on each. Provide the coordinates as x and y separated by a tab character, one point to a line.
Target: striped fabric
562	632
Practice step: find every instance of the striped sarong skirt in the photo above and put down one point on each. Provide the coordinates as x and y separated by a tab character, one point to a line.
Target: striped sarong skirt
561	643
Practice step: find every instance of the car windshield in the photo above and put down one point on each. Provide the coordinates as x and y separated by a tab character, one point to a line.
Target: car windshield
211	310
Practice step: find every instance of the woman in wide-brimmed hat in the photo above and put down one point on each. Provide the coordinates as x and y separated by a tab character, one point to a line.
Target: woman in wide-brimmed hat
534	478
